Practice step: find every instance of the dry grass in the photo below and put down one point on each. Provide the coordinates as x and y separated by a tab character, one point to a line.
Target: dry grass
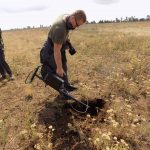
112	63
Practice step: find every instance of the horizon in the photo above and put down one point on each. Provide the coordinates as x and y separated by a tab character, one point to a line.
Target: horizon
20	13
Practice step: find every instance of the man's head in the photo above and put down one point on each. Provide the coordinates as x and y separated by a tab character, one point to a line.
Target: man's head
76	19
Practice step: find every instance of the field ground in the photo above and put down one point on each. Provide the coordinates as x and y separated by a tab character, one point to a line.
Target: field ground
112	64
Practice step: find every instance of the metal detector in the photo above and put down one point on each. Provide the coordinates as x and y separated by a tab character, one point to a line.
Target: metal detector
56	83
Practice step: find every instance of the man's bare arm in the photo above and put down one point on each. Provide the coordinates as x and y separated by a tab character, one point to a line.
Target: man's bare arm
58	59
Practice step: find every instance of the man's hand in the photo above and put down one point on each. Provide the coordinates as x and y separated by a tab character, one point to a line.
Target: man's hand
60	72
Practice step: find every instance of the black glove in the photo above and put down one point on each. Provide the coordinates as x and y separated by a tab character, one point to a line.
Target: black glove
72	50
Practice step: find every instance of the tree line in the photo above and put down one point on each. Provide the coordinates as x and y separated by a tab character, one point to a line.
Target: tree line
126	19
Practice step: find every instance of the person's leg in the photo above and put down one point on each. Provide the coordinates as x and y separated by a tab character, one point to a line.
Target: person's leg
5	65
65	77
7	68
67	85
46	70
2	70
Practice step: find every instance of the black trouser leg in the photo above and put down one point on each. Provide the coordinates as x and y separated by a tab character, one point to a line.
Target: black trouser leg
4	67
48	70
2	71
49	61
65	77
52	69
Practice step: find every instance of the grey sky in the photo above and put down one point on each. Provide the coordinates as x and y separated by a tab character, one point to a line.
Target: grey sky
22	13
18	6
106	1
23	9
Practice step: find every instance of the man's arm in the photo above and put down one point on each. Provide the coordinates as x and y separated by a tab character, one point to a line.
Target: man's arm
58	59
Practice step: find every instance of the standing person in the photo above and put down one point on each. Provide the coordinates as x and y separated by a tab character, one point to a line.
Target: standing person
4	67
53	53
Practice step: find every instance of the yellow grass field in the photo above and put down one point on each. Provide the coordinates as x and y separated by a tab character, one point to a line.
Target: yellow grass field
112	63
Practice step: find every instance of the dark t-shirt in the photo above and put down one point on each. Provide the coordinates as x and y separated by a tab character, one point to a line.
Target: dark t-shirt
58	32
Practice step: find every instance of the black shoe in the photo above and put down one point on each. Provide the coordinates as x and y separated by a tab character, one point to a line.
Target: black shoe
11	77
3	77
70	88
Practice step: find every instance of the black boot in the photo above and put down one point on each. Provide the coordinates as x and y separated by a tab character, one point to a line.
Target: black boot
3	77
70	88
11	77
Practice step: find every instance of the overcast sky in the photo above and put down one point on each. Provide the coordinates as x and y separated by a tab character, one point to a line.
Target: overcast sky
22	13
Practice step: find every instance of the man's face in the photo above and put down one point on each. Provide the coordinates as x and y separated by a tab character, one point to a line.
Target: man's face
78	22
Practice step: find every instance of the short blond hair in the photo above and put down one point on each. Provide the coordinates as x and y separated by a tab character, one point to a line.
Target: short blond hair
80	15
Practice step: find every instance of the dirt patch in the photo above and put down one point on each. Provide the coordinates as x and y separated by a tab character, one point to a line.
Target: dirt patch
58	115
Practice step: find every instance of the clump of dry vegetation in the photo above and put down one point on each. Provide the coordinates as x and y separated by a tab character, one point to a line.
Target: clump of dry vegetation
112	64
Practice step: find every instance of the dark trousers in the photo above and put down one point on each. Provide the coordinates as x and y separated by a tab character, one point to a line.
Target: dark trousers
4	67
48	60
50	67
